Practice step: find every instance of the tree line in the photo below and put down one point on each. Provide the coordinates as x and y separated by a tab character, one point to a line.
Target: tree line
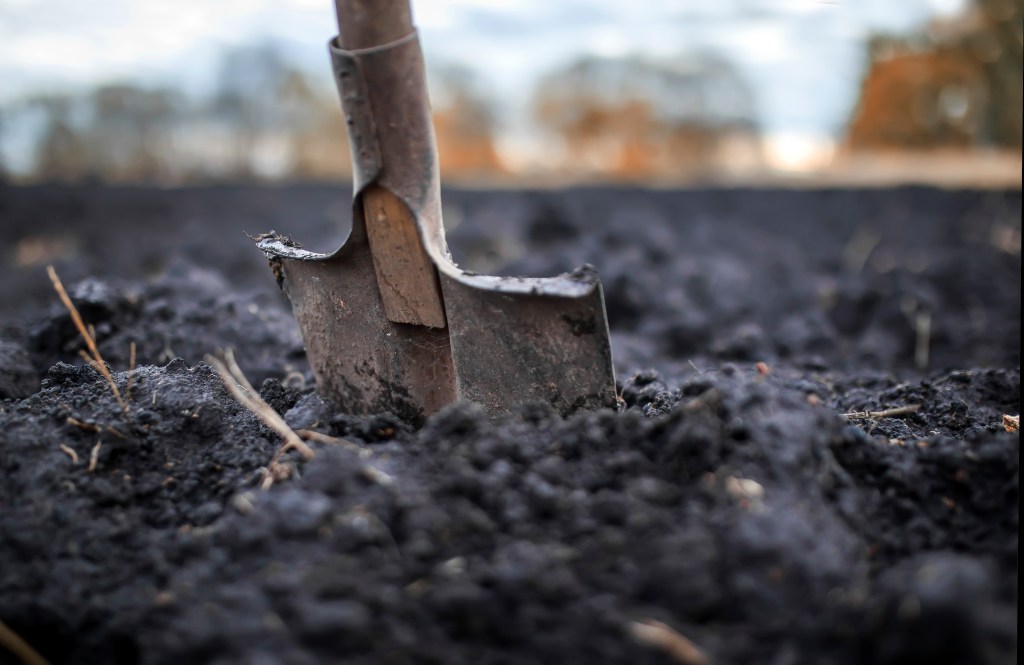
267	119
955	84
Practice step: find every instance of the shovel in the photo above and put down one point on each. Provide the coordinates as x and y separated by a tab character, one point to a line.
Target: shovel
389	321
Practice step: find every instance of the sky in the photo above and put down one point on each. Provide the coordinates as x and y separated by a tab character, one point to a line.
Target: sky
804	58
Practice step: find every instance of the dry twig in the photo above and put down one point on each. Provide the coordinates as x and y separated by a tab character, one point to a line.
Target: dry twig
94	358
662	636
370	472
313	435
94	456
88	427
131	371
70	452
240	388
21	649
375	475
886	413
923	338
276	471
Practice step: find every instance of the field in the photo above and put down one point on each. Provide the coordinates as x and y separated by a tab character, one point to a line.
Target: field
811	463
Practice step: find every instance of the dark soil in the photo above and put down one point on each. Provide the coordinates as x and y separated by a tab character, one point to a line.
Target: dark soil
730	499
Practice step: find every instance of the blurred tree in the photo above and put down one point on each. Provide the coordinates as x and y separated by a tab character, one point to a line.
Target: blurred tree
918	100
316	129
264	119
464	124
127	135
957	85
116	132
998	44
273	119
246	104
60	152
632	118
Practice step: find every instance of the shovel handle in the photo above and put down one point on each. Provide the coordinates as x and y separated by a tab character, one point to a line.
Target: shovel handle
406	276
368	23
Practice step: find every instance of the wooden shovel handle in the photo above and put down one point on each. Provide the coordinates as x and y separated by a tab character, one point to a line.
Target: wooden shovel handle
369	23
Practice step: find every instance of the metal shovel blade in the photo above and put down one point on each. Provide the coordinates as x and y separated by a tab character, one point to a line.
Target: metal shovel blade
502	342
507	342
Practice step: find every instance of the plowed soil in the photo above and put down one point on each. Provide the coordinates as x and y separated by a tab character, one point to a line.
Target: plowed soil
810	465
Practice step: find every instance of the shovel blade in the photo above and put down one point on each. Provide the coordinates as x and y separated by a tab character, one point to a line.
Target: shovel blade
516	341
508	341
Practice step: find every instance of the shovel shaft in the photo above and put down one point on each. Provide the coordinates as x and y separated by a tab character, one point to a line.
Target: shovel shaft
406	276
368	23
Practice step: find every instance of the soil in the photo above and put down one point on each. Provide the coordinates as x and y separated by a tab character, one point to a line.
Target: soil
748	494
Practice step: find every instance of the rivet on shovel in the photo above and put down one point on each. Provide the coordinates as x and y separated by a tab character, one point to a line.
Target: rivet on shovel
389	321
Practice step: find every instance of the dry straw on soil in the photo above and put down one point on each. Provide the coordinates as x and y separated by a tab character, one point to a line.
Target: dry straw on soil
93	357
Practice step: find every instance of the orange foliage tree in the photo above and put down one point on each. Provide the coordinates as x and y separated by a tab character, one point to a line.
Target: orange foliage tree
958	85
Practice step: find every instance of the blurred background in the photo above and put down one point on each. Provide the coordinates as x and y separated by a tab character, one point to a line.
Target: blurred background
525	92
